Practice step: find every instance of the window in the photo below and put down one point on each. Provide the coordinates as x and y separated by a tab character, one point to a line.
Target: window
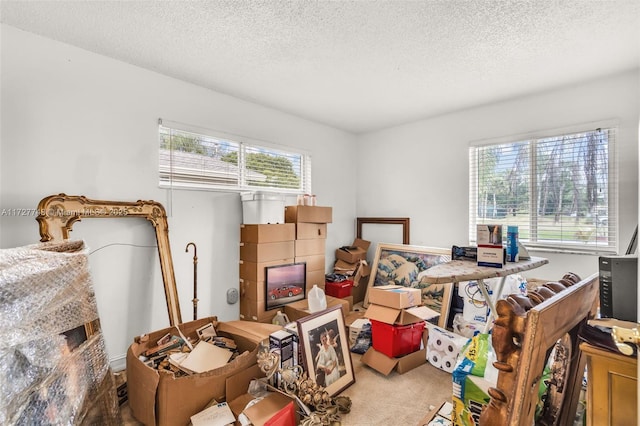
560	190
207	161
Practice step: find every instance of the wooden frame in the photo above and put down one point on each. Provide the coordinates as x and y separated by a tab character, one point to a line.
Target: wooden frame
523	339
58	213
404	221
312	329
411	261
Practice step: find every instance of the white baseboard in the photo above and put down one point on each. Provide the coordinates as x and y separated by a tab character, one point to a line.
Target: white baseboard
118	363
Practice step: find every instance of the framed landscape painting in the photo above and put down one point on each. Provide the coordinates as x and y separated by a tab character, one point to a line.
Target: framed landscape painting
407	265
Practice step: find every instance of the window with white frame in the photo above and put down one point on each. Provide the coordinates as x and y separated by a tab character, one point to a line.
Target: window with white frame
195	160
559	188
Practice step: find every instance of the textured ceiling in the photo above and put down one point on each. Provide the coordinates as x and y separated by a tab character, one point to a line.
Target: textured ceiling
354	65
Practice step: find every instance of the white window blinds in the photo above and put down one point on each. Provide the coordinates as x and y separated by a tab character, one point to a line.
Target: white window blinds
197	160
560	190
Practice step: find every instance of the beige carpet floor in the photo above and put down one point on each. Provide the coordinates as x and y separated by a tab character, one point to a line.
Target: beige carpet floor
396	399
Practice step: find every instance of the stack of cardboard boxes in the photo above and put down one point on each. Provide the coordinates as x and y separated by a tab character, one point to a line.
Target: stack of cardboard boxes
351	261
397	329
302	238
262	245
310	225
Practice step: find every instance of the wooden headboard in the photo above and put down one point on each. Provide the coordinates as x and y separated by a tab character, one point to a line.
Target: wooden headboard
523	337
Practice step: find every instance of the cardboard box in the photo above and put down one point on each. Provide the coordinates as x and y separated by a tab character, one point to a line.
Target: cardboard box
360	282
315	278
350	300
272	233
312	214
308	231
340	289
160	398
309	247
400	316
396	340
353	255
385	365
359	292
238	384
255	271
254	310
440	416
300	309
395	296
344	268
266	252
252	290
265	410
314	262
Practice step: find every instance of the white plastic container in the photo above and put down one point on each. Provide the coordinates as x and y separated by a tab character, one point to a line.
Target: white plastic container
262	207
280	319
317	299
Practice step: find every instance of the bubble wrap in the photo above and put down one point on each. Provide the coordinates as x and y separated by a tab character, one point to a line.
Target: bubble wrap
46	379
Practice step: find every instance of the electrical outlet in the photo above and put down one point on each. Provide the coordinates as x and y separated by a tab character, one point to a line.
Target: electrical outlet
232	296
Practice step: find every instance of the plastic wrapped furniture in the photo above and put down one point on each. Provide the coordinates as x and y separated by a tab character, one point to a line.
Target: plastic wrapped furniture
54	367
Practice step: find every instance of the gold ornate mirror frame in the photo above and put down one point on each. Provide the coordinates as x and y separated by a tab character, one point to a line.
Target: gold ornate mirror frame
58	213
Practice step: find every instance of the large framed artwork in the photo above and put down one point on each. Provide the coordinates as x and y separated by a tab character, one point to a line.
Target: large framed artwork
325	348
406	265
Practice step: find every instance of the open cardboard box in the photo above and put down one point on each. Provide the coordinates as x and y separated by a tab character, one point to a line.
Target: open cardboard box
265	409
352	255
400	316
385	365
161	398
300	309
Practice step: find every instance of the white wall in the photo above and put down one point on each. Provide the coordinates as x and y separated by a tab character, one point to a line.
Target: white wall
83	124
75	122
420	170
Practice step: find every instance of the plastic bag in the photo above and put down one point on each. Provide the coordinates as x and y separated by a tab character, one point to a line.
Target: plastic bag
474	355
363	341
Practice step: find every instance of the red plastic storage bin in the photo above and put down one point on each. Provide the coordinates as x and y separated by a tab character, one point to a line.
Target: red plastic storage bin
340	290
396	340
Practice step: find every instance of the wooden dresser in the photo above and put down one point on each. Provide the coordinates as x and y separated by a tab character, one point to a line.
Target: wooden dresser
612	392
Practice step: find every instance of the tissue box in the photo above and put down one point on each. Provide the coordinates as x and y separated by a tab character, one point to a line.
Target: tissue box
443	348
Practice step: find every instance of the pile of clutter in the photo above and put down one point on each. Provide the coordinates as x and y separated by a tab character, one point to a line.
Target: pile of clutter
182	356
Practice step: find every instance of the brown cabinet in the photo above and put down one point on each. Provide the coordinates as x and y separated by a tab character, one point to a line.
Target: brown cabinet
612	391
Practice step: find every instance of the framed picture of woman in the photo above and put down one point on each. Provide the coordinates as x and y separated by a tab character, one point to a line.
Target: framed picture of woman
325	348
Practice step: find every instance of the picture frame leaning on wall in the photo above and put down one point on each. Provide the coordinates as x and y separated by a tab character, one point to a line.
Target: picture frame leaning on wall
405	265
